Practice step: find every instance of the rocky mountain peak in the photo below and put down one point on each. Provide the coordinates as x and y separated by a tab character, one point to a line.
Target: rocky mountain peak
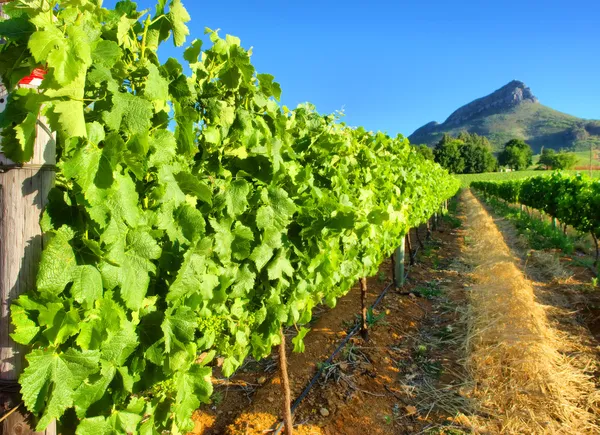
505	98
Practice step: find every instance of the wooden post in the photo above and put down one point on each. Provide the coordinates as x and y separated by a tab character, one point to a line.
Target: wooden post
393	260
419	238
23	195
399	264
411	257
364	332
285	386
428	237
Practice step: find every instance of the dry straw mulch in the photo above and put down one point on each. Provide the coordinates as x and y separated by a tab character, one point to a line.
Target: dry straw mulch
523	383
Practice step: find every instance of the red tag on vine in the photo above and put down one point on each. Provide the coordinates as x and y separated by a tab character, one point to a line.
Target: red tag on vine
35	78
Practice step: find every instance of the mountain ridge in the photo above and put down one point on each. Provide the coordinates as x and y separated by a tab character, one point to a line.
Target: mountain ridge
513	111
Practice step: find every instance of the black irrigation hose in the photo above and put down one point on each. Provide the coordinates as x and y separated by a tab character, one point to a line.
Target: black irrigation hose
348	336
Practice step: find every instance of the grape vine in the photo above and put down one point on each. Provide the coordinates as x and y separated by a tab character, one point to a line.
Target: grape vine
192	215
572	199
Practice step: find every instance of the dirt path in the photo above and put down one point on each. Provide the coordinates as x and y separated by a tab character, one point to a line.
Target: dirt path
532	374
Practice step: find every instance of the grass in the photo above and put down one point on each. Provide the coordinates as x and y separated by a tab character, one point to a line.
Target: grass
467	179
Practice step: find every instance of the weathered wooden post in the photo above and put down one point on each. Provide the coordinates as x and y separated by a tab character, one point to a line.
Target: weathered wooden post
23	194
399	265
285	386
364	332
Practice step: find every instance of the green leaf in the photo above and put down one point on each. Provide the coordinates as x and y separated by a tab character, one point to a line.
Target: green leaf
132	113
236	197
106	53
68	57
194	277
243	238
268	86
156	87
70	117
87	285
193	51
95	132
193	387
261	255
94	426
60	324
43	42
90	391
179	327
178	16
25	328
50	380
191	185
57	262
19	125
136	266
191	222
119	346
244	282
280	266
298	340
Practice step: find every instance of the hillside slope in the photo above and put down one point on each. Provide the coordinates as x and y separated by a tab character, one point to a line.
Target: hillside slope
514	112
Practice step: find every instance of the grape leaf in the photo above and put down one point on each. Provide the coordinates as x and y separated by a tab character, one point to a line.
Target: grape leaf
57	262
50	380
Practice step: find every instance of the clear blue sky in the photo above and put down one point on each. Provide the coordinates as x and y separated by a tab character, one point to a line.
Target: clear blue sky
396	65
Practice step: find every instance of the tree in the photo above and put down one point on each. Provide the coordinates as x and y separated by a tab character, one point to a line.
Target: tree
550	159
469	153
516	154
425	151
547	158
448	154
564	160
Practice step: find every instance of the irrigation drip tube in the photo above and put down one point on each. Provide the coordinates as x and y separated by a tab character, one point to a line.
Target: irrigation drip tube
328	361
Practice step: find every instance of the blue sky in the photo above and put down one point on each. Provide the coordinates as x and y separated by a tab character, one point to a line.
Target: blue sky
396	65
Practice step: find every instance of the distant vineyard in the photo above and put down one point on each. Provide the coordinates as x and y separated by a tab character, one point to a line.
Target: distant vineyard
467	179
192	217
572	199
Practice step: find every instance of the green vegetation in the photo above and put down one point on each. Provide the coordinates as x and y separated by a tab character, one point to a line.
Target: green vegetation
466	154
550	159
425	151
168	249
583	159
516	155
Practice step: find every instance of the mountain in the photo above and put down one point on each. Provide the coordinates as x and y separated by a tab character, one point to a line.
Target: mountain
514	112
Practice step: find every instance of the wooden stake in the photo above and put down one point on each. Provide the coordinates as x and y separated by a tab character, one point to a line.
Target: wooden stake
23	195
411	258
393	260
399	264
285	387
419	238
596	262
364	332
428	237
